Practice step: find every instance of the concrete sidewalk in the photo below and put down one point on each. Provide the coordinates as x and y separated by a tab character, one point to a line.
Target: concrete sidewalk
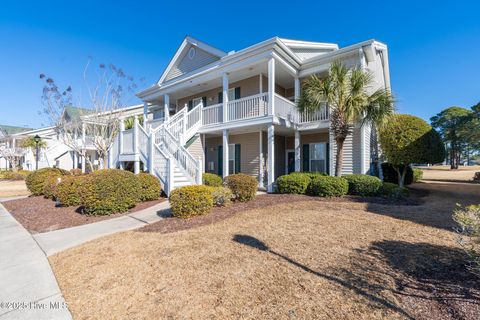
59	240
29	289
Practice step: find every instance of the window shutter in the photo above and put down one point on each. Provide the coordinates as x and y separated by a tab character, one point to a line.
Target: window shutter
204	101
220	161
306	157
328	158
237	158
237	93
190	105
220	97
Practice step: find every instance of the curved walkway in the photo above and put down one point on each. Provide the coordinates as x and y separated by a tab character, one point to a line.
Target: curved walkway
29	289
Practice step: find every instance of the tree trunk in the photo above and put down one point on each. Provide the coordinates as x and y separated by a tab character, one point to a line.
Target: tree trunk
339	157
401	175
452	158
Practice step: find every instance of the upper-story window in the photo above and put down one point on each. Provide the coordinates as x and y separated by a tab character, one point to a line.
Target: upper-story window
233	94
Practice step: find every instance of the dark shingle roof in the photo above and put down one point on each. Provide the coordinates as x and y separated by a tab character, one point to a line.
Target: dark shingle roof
75	113
4	129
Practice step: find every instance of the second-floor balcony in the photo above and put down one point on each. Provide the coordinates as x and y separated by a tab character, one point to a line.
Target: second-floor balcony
257	106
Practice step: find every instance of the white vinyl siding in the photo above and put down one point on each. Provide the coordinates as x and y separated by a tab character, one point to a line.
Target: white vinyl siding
186	65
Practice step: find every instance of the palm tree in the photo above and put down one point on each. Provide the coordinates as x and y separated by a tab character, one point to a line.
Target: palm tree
346	91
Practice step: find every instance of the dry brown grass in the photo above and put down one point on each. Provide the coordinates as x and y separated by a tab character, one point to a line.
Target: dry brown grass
303	260
13	189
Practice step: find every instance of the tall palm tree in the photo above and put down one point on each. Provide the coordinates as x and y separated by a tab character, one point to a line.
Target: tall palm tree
347	93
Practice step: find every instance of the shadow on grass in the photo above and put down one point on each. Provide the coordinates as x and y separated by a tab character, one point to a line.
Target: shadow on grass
390	271
257	244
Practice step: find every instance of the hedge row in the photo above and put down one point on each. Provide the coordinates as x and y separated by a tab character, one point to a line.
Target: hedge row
102	192
197	200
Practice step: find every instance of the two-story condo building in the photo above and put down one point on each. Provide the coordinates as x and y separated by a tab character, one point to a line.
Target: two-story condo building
219	112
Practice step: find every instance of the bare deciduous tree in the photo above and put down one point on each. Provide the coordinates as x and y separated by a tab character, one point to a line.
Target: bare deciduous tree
107	89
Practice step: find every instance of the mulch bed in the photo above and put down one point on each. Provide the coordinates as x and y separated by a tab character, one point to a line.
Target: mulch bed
173	224
38	214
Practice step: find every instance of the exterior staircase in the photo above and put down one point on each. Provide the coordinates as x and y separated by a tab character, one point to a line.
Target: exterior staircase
162	150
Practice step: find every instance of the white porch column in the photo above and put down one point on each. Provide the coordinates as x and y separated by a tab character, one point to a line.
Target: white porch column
271	157
260	160
297	151
271	86
225	153
145	115
75	154
225	97
297	89
136	164
120	140
166	106
83	146
260	83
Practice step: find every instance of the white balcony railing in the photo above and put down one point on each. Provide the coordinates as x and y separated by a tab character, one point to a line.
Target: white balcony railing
313	116
285	108
128	141
248	107
212	114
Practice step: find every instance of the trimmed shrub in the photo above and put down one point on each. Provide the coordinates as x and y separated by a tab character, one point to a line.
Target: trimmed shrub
36	180
326	186
49	187
211	179
76	172
417	175
15	176
110	191
293	183
150	187
68	191
222	196
244	187
191	201
392	190
363	185
390	175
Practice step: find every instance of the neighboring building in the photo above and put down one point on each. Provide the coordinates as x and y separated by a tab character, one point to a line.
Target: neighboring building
5	142
56	153
219	112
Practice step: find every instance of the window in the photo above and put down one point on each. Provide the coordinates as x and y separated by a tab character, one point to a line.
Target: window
318	157
233	94
231	158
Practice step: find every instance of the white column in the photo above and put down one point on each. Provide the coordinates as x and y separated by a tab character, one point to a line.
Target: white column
271	158
297	89
225	153
260	160
145	115
204	164
75	154
13	143
120	140
225	97
260	83
83	146
136	164
271	86
166	106
297	151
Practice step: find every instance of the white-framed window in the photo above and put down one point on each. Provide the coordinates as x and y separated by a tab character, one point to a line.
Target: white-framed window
231	94
196	102
318	157
231	158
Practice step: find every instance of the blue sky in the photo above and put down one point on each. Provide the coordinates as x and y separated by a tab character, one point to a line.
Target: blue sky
433	45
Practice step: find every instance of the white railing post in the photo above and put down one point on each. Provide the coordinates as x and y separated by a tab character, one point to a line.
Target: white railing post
271	86
151	151
136	164
199	171
170	174
225	97
184	129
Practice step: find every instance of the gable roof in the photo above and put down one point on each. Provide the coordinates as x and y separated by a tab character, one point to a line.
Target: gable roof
8	130
75	113
184	61
307	49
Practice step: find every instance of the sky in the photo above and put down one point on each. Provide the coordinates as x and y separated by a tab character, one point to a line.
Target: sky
433	46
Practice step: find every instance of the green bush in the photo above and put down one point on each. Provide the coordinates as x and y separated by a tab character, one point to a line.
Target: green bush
390	175
150	187
417	175
49	187
222	196
326	186
191	201
14	175
110	191
392	190
244	187
293	183
213	180
363	185
76	172
68	191
36	180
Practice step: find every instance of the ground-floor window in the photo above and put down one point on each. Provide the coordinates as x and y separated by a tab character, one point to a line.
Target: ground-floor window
318	157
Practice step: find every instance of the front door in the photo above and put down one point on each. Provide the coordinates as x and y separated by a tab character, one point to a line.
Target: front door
290	161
